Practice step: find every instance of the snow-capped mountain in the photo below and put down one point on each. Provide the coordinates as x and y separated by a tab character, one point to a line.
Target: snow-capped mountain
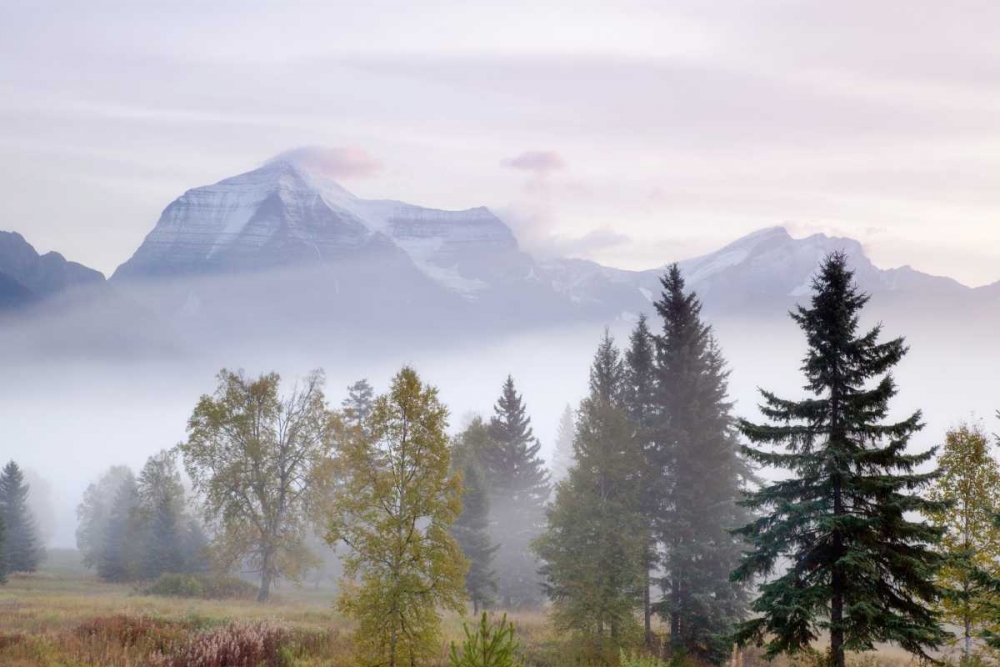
285	214
284	250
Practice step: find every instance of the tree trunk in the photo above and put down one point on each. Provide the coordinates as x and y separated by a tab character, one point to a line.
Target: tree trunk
647	615
675	613
967	649
475	606
266	574
837	587
265	585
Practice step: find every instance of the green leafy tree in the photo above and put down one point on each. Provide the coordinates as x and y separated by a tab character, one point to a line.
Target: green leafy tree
696	452
594	547
398	499
519	489
859	564
969	485
472	528
639	395
260	461
489	645
22	552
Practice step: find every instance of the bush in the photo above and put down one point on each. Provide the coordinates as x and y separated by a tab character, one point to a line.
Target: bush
235	645
639	660
489	646
205	586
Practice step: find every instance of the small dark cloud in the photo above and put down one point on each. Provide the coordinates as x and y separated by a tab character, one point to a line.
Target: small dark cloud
338	163
536	162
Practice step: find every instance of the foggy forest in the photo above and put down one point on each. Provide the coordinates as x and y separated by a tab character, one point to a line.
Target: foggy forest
473	335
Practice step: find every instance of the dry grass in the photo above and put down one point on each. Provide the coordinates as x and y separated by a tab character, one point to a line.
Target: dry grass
65	617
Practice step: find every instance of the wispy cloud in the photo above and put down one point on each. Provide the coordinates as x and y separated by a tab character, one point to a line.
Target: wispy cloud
536	162
338	163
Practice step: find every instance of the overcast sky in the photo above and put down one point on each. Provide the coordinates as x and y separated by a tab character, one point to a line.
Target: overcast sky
629	132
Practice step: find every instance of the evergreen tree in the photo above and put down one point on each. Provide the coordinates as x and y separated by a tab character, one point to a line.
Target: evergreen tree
22	553
562	457
195	545
116	560
640	404
472	528
357	406
859	564
969	483
696	451
519	489
594	547
161	510
93	511
398	498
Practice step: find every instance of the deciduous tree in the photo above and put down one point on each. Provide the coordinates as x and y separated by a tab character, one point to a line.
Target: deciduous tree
969	484
398	499
257	458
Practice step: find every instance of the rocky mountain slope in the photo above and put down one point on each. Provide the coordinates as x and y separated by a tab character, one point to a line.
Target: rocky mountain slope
27	277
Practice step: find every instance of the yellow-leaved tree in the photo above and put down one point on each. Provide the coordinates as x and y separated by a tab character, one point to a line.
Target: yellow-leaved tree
396	500
969	480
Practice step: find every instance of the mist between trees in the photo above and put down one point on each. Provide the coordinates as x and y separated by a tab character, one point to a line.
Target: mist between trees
653	531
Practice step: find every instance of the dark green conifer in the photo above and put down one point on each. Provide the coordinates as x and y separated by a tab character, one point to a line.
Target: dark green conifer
640	404
696	451
843	521
519	489
472	529
594	547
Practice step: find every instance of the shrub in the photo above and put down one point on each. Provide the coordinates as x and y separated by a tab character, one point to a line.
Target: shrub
235	645
639	660
205	586
490	645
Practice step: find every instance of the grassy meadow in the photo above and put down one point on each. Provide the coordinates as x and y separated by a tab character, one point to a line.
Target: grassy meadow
64	616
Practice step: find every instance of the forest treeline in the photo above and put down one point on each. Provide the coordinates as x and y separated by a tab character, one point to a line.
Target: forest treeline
667	524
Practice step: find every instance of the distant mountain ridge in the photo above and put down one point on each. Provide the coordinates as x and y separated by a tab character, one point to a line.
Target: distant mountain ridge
284	249
27	277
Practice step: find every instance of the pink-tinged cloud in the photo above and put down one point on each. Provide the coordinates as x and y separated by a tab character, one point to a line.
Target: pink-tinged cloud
537	162
337	163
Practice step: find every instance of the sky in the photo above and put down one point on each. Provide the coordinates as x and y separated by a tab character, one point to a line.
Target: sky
632	133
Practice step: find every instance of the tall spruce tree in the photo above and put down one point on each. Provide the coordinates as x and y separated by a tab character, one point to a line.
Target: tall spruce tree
594	548
640	403
22	552
357	407
472	528
696	450
858	563
519	489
